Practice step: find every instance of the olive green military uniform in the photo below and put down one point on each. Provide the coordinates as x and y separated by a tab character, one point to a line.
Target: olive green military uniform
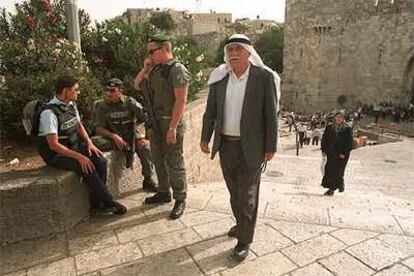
168	159
121	118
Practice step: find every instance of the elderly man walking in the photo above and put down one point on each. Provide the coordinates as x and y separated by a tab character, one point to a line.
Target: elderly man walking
241	110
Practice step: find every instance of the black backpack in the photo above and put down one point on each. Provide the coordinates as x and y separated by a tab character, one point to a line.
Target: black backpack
31	116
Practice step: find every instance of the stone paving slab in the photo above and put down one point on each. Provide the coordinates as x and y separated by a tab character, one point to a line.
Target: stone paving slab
306	252
213	256
201	217
396	270
267	240
314	269
351	236
177	262
85	243
148	229
375	253
62	267
343	264
378	221
106	257
407	224
272	264
215	228
292	212
299	232
409	262
22	255
165	242
402	243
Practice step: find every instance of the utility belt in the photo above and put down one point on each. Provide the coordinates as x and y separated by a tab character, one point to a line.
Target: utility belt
231	138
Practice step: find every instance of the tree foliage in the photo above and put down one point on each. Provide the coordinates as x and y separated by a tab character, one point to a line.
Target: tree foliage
269	46
163	21
34	51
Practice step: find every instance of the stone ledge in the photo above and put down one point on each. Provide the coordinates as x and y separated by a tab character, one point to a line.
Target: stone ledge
39	203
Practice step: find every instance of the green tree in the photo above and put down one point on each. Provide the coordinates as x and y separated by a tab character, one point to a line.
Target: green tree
269	46
34	51
163	21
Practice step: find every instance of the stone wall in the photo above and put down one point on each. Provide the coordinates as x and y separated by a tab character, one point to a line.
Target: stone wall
40	202
350	48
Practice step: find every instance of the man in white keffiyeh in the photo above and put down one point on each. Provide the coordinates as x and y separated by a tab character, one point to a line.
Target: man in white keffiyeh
241	111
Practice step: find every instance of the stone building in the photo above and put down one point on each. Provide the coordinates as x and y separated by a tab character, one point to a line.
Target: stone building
339	53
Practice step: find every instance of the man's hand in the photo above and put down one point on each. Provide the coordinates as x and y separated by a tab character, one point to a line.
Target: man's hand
171	136
268	156
85	163
119	142
147	64
204	147
142	143
92	149
341	156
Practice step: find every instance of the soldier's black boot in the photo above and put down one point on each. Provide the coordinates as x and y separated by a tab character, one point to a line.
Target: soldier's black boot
158	198
178	209
149	185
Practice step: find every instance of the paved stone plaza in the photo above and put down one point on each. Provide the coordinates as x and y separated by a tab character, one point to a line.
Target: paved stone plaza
367	230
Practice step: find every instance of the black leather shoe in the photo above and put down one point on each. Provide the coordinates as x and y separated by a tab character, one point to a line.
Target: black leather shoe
341	189
116	209
241	251
329	192
158	198
149	185
178	209
232	232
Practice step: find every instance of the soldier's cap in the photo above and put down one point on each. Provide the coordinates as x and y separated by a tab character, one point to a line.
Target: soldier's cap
114	82
159	38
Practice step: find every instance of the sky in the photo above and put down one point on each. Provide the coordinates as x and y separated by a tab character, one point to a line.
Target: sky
104	9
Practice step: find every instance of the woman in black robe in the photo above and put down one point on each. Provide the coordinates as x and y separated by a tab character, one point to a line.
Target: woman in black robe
336	145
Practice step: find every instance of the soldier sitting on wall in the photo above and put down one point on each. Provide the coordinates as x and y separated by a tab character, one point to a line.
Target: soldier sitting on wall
116	118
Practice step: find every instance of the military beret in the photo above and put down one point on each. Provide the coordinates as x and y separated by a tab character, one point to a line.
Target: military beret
159	38
114	82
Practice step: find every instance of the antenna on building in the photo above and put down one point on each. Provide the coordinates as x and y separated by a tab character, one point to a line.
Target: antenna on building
198	6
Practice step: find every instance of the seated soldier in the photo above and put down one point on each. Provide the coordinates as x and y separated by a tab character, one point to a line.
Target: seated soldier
63	143
116	118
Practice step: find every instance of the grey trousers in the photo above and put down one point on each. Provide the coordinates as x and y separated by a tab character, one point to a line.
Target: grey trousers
243	184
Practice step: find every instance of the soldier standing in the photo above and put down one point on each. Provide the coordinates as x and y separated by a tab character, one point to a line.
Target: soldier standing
116	119
166	81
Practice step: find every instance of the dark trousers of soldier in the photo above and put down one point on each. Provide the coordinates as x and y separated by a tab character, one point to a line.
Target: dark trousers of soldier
95	180
169	161
243	184
145	158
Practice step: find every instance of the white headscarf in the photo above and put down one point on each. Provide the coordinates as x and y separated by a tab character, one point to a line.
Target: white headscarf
222	70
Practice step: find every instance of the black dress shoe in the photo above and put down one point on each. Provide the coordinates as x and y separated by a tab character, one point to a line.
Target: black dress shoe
158	198
149	185
117	209
241	251
232	232
329	192
341	189
178	209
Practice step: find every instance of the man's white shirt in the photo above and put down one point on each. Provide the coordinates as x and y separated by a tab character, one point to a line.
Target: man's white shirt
236	89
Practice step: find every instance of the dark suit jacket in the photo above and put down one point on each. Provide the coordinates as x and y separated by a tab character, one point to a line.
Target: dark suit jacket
258	126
